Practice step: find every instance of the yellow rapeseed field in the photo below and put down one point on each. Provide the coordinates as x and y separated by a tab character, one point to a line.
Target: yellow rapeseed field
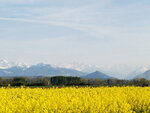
75	100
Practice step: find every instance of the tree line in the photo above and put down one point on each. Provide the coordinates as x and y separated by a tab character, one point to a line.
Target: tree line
70	81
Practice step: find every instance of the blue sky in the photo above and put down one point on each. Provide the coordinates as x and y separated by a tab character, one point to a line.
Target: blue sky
62	31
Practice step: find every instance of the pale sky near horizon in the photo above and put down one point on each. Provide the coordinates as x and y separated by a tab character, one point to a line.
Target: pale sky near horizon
61	31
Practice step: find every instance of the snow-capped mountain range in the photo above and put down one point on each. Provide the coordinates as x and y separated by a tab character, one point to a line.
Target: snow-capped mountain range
117	71
20	69
79	66
4	64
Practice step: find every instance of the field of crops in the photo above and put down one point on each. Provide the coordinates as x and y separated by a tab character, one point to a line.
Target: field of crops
75	100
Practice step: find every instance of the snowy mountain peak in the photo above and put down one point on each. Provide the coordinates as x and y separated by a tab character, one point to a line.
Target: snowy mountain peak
4	64
22	65
79	66
42	64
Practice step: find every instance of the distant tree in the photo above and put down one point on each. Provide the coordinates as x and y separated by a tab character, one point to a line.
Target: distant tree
107	82
46	81
98	82
143	82
18	81
73	80
65	80
58	80
85	81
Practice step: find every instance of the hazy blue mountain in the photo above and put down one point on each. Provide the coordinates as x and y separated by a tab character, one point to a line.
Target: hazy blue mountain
140	70
97	74
145	75
39	70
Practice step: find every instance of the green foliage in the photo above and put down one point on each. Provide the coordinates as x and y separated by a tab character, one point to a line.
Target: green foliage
61	80
71	81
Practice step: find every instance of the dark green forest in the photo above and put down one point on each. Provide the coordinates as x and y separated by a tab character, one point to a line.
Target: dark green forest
70	81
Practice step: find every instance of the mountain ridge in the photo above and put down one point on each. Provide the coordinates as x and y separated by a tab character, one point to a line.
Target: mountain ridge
39	70
97	75
145	75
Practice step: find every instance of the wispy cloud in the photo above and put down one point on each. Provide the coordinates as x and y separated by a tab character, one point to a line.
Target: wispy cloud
92	30
79	18
112	32
20	1
85	23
